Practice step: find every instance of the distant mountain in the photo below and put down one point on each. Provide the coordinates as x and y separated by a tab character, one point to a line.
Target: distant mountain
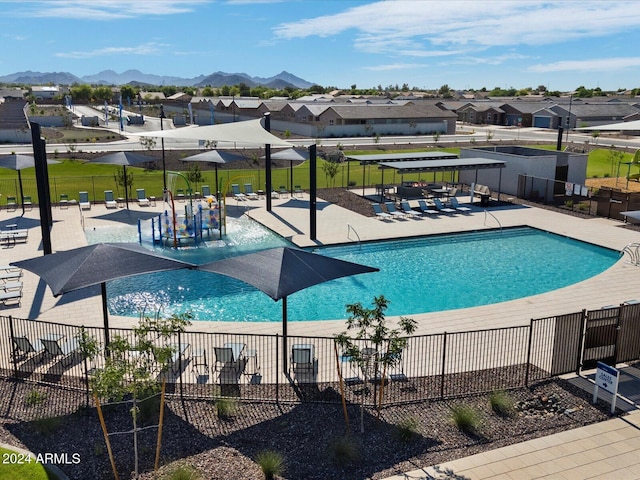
110	77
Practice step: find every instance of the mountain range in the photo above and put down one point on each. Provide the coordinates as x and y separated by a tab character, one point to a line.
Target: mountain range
109	77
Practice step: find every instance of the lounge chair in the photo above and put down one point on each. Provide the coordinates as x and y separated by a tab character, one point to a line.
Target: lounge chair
64	201
22	347
248	191
109	201
84	202
11	298
377	209
441	207
391	208
206	191
12	275
11	286
11	203
27	202
406	208
53	349
143	201
426	209
453	201
303	362
237	194
178	354
229	362
11	237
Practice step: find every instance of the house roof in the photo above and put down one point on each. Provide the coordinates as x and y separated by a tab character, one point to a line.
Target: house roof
391	111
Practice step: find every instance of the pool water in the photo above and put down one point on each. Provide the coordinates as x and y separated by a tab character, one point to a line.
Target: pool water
429	274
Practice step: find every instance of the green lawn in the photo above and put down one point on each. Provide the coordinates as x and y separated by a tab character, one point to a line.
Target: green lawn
11	469
72	176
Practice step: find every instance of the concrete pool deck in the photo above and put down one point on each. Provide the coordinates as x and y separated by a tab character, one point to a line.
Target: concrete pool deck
290	218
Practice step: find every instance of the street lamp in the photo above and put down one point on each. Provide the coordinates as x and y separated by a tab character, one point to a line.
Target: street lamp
164	167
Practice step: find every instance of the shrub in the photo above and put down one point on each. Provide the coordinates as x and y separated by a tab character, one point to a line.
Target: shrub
271	463
47	426
226	407
501	403
407	429
34	397
343	450
465	418
182	472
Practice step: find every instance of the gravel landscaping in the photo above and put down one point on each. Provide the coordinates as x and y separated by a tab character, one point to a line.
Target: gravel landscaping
223	443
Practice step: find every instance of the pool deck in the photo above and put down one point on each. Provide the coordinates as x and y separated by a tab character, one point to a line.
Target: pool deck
290	218
603	450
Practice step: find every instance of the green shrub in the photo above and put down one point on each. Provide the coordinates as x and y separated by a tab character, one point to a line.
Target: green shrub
182	472
271	463
465	418
226	407
343	450
568	204
501	403
407	429
34	397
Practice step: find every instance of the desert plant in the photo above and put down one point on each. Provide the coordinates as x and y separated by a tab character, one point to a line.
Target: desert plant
182	472
343	450
407	429
466	418
501	403
271	463
34	397
48	425
226	407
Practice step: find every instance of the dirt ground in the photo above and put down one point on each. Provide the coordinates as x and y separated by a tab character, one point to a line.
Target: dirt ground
620	182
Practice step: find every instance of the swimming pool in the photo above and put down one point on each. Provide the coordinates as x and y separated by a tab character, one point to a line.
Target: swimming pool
428	274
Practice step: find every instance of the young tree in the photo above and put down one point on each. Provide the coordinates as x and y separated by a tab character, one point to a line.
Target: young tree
375	346
330	170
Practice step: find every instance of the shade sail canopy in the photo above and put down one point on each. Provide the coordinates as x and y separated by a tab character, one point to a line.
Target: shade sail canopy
633	125
71	270
293	154
281	271
127	159
400	157
249	132
20	162
214	156
443	165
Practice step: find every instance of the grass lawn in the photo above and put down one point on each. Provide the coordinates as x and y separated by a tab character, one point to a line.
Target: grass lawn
10	468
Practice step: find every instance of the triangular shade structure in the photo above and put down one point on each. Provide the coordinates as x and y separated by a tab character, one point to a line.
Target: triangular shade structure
293	154
281	271
633	125
214	156
248	132
82	267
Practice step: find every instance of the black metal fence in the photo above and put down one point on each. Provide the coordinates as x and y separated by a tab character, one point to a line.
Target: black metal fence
431	366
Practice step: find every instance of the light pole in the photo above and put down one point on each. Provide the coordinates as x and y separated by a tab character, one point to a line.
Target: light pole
569	117
164	167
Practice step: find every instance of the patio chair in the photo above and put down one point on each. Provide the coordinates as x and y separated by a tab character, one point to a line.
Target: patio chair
248	191
297	191
64	201
11	298
426	209
303	361
22	347
143	201
453	201
377	209
237	194
109	201
441	208
282	191
179	352
206	191
27	202
391	208
406	208
11	203
67	350
84	202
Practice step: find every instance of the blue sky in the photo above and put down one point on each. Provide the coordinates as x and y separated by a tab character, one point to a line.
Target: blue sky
426	44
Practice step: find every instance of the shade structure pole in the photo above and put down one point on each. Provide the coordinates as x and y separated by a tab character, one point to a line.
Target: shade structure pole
21	191
285	362
42	180
164	167
267	160
313	179
126	186
105	315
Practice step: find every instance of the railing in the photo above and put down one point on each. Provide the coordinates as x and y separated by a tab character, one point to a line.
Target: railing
433	366
487	212
633	250
351	229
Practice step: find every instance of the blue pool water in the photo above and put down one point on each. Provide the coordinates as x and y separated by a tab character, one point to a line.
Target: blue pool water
417	275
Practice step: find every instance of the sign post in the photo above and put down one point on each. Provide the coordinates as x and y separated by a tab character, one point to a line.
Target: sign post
607	379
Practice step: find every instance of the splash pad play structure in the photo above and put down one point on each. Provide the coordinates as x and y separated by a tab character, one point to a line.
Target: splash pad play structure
181	222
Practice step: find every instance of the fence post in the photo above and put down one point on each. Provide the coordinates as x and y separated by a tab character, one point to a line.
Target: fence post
444	360
12	355
581	339
277	372
526	375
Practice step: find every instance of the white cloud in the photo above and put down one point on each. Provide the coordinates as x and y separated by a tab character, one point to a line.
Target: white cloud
418	26
591	65
104	9
395	66
151	48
